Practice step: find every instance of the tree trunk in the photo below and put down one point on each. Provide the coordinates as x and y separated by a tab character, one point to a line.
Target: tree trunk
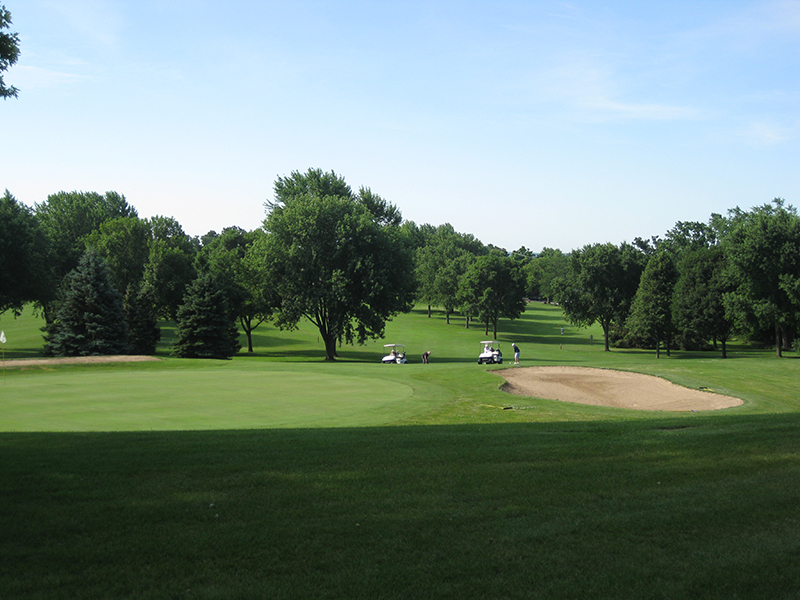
429	311
778	341
466	320
486	329
658	348
724	348
447	316
494	330
605	334
330	346
248	332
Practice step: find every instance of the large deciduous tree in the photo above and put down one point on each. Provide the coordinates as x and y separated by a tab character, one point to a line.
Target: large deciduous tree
763	248
9	52
440	263
543	270
493	286
90	319
229	258
336	258
123	243
67	219
698	309
600	285
23	256
170	265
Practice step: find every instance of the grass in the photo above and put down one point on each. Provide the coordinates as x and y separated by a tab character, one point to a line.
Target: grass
278	475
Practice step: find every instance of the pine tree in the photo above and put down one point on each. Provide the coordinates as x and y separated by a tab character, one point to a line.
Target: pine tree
140	313
206	328
90	320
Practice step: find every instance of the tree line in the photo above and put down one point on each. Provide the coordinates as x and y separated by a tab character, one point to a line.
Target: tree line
695	288
348	262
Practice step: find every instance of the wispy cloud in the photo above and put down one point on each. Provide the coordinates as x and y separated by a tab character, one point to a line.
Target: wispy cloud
762	133
600	91
35	78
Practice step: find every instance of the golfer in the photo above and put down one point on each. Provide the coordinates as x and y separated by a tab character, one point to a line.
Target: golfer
516	353
425	356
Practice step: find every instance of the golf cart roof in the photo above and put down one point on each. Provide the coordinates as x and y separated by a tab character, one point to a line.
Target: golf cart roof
490	342
393	345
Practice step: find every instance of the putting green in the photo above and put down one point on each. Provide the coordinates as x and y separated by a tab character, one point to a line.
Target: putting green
128	399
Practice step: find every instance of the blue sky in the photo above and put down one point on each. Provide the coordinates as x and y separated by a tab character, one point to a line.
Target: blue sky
537	124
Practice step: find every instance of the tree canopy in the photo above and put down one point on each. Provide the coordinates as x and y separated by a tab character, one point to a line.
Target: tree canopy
763	247
651	311
23	256
229	256
90	319
9	52
492	287
206	327
600	285
334	259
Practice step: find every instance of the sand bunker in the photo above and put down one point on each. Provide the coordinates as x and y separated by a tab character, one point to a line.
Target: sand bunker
76	360
604	387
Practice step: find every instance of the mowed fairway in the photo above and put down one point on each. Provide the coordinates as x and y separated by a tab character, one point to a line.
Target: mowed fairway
278	475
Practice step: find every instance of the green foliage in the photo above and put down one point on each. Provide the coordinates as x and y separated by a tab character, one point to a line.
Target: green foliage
650	318
333	260
9	52
493	286
140	314
441	262
206	327
123	242
698	309
600	285
314	182
67	219
542	272
229	257
167	274
23	256
763	249
90	320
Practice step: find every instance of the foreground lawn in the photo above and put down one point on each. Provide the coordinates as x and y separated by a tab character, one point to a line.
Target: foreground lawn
278	475
649	509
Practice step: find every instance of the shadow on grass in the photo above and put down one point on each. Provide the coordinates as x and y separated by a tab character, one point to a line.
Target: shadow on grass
449	511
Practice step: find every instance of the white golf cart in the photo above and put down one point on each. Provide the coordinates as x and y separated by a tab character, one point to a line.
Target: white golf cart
491	353
397	354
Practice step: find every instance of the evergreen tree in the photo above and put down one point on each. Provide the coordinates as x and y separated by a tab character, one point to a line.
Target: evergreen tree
206	326
140	313
650	319
90	320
